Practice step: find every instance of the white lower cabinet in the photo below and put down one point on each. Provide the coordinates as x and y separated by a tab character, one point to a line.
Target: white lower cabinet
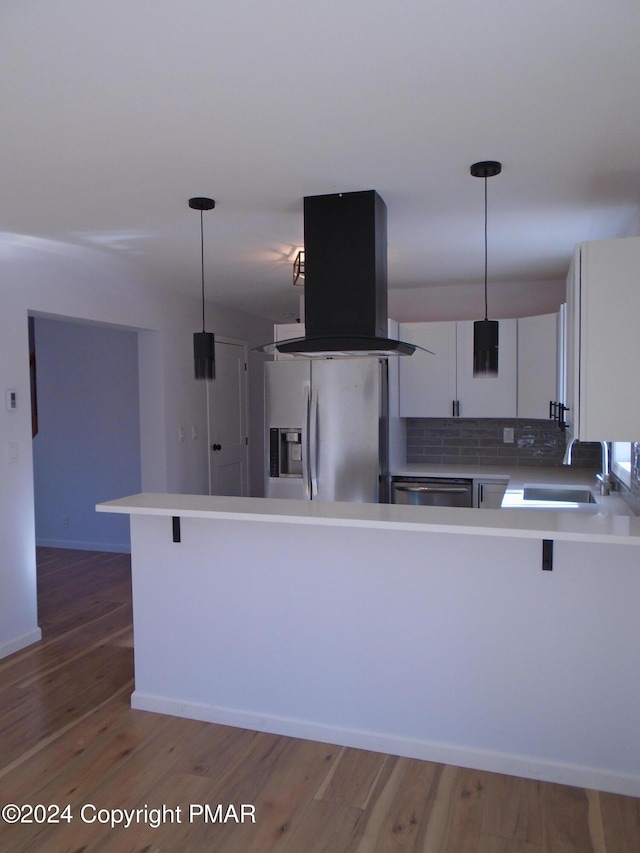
488	494
442	385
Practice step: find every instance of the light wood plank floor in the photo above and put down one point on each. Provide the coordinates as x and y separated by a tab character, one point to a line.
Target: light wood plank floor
68	736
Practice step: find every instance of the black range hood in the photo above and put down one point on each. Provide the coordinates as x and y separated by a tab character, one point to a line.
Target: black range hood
345	289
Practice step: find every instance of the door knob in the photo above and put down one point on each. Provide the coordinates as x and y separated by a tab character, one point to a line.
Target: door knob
216	447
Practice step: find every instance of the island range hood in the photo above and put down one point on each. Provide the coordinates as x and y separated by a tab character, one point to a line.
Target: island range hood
345	289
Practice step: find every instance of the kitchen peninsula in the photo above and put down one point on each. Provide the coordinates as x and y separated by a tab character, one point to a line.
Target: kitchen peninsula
426	632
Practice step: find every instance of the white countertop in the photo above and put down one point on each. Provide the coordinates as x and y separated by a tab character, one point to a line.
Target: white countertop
522	523
475	472
519	477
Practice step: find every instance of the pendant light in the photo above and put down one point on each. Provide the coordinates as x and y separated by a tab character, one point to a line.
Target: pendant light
298	269
203	342
485	332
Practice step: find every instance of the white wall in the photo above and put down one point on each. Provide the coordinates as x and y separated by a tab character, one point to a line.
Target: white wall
506	299
633	226
47	278
466	301
88	444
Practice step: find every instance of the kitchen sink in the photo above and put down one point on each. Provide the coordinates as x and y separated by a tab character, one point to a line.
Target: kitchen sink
562	494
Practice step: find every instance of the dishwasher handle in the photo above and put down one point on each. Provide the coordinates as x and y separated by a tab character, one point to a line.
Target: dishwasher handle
431	487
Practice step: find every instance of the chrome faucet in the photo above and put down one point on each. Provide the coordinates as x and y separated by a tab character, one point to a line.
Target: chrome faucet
568	452
605	478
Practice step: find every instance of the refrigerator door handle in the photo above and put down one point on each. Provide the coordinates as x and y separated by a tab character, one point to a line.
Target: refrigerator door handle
306	480
313	441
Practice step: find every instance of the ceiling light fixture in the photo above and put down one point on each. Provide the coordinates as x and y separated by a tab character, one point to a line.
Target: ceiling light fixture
298	268
485	332
203	342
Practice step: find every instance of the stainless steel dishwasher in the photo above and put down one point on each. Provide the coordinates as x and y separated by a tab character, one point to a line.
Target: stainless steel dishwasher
431	491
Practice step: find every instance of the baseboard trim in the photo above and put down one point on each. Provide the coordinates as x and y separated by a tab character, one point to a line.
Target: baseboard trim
20	643
441	753
117	548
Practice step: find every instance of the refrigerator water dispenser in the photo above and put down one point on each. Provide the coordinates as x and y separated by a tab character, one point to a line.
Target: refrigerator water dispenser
285	452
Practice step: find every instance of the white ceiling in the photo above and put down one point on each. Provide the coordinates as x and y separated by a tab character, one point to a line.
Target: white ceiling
115	112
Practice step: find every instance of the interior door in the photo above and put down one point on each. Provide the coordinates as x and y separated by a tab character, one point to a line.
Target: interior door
227	413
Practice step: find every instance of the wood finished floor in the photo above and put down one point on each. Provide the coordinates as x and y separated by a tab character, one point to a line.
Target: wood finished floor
68	736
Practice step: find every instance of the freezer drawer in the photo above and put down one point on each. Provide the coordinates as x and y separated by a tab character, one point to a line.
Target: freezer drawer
455	492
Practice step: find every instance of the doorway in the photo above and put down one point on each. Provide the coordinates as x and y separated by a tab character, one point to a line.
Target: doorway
227	420
87	447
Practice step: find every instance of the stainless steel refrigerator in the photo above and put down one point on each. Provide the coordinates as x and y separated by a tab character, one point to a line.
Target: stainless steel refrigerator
327	429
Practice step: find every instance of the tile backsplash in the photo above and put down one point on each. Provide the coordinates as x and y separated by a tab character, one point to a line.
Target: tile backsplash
479	441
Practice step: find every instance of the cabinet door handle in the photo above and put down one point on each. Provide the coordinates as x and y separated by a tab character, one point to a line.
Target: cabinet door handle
481	501
561	419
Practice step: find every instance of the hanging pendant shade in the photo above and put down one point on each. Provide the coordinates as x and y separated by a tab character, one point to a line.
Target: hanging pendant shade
485	348
204	355
203	342
485	332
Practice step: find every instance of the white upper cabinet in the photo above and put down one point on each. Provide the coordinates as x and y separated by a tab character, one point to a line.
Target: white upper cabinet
488	396
442	385
428	382
538	365
603	349
285	332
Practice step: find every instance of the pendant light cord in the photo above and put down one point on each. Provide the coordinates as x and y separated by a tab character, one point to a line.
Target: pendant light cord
486	169
202	256
486	310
